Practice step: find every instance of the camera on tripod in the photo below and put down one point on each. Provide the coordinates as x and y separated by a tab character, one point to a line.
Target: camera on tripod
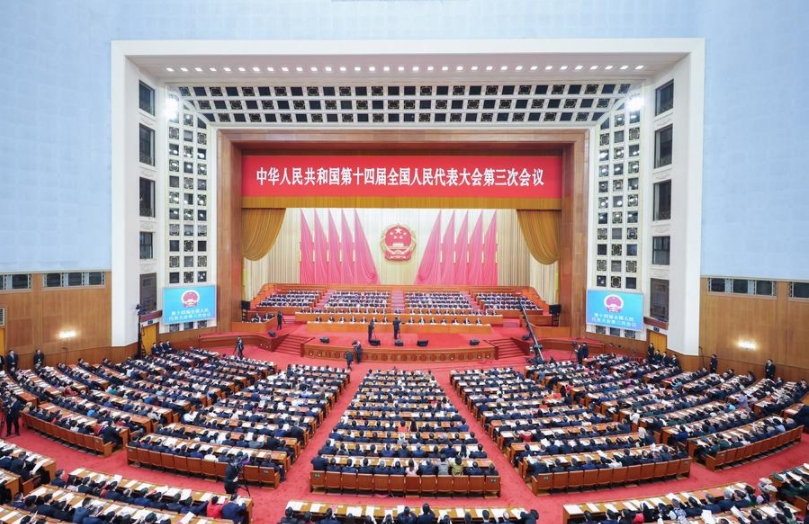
233	474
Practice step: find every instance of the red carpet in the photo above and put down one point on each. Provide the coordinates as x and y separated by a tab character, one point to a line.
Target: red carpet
269	504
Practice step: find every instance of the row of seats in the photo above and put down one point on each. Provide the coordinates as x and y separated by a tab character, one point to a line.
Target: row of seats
426	485
754	449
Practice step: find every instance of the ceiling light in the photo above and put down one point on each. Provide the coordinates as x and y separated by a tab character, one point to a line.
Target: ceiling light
430	68
444	68
747	344
638	67
357	69
184	69
212	69
503	68
489	68
386	68
563	68
242	70
548	68
518	68
624	67
401	68
227	69
169	69
474	68
593	68
607	67
327	69
343	69
534	68
313	69
372	68
578	68
415	69
256	69
198	69
271	69
635	103
299	69
69	333
285	69
459	68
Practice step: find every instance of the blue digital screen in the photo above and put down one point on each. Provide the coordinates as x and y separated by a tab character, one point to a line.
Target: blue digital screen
615	309
188	304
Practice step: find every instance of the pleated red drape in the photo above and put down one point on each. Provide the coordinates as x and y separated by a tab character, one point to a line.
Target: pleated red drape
461	246
429	271
365	267
474	275
307	267
321	253
347	250
490	254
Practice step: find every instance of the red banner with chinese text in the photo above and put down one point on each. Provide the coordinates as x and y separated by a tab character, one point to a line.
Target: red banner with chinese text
402	176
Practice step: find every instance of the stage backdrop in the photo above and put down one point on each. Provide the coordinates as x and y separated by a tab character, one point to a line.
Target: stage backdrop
515	265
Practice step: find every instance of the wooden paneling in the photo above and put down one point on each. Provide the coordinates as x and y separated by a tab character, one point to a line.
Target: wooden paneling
778	326
35	317
229	231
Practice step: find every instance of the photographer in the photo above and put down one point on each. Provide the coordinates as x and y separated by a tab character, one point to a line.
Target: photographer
11	408
233	474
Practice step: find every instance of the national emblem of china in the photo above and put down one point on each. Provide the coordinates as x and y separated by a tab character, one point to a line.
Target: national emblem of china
398	242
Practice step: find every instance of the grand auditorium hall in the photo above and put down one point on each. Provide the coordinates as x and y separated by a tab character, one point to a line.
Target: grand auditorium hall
404	262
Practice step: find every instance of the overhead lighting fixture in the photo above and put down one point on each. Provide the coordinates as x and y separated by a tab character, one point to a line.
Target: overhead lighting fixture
184	69
372	68
518	68
285	69
227	69
578	68
474	68
430	68
459	68
415	69
242	70
212	69
534	68
327	69
624	67
563	68
198	69
343	69
386	68
271	69
489	68
638	67
299	69
593	67
401	68
548	67
170	70
444	68
503	68
357	69
635	103
313	69
256	69
608	67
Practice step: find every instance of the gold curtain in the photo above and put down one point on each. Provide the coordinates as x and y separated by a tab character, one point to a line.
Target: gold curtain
260	228
540	230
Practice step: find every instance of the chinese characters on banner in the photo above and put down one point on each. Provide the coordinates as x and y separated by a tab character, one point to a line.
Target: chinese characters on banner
397	176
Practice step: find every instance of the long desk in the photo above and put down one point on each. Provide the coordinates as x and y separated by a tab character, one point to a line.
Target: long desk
493	320
456	513
358	327
43	462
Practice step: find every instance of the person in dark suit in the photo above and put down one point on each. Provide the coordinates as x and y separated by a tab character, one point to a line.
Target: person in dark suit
769	369
371	327
279	317
349	358
427	516
12	408
358	351
12	361
239	348
650	352
39	359
714	364
396	328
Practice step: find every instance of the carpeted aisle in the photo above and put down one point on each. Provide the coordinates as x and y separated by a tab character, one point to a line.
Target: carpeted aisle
269	504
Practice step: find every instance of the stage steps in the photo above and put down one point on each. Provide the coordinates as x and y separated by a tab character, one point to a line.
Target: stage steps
323	299
397	300
292	345
507	348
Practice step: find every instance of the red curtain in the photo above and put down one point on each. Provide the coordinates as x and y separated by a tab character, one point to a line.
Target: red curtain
365	268
490	254
461	246
347	251
447	251
321	253
335	271
475	272
307	268
430	267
